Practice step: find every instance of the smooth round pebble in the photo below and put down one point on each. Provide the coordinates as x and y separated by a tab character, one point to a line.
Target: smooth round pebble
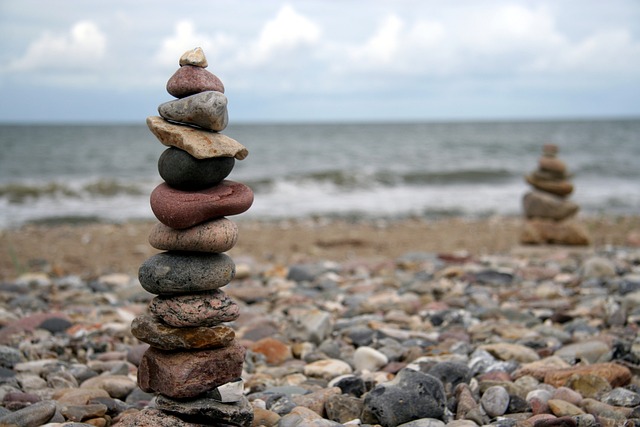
170	273
181	170
495	401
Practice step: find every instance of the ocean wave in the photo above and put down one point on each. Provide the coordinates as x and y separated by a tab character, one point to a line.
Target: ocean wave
18	193
348	180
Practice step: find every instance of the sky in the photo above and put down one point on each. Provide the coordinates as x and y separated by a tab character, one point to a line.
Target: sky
324	60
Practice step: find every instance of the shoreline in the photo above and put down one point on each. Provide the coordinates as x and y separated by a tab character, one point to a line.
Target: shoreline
92	249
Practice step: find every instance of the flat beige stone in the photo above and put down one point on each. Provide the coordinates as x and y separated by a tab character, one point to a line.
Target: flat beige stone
201	144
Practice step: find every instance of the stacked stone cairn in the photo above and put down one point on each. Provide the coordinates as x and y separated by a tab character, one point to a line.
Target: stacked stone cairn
550	216
194	363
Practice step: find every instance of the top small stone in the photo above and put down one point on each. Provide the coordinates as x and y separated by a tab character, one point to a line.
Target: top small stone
194	57
550	150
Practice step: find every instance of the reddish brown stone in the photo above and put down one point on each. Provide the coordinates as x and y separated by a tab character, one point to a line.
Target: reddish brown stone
275	351
190	79
155	333
616	375
187	374
183	209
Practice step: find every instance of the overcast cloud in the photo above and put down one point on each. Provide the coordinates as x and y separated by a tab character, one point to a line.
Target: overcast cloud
79	60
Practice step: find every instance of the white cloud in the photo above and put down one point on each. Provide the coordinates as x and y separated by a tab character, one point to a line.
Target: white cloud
502	40
83	47
285	34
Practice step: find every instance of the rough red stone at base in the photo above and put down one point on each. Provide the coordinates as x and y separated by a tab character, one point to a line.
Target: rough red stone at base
187	374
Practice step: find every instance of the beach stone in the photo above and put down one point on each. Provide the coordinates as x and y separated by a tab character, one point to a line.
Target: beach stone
538	204
560	408
451	374
183	375
275	351
192	310
311	325
568	395
61	379
597	268
195	57
55	325
78	396
208	411
182	171
509	351
184	209
118	386
190	79
83	412
159	335
368	359
467	407
621	397
342	407
590	351
264	417
327	368
495	401
588	385
543	231
151	417
349	384
540	182
305	417
200	143
422	395
207	110
15	400
31	416
617	375
315	400
216	236
427	422
9	356
169	273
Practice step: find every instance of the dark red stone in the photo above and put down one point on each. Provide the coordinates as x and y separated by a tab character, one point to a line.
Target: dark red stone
182	209
187	374
189	80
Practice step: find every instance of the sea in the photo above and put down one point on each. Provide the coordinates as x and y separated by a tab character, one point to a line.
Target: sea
105	172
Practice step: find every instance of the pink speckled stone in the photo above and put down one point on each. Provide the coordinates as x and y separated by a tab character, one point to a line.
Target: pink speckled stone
183	209
190	79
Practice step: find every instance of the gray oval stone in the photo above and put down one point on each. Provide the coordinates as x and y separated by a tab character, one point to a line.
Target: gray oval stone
495	401
181	272
207	110
181	170
34	415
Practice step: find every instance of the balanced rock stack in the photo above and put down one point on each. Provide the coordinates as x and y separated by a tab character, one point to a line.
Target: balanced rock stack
194	363
549	214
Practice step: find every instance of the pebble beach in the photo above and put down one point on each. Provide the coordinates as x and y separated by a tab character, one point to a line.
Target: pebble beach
341	321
